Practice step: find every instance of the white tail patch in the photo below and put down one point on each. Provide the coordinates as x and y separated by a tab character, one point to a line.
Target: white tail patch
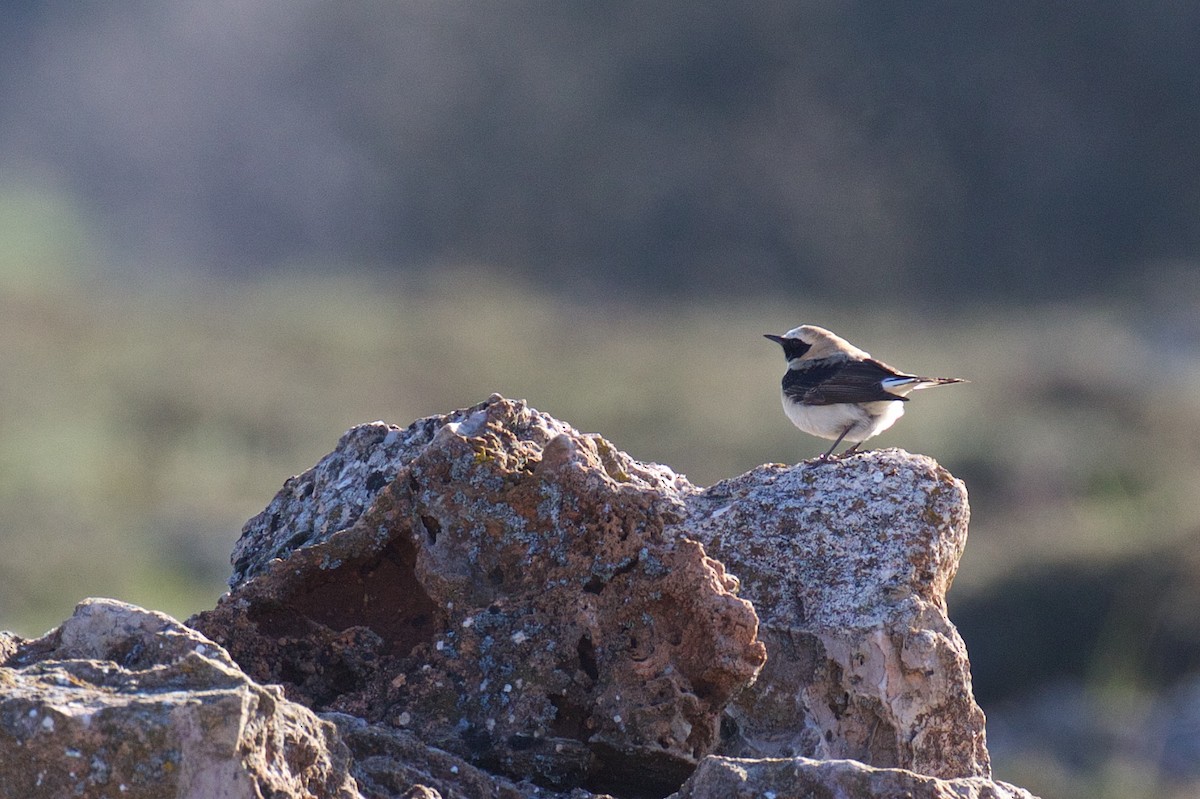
902	385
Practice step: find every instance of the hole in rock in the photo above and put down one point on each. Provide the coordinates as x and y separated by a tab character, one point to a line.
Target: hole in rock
703	689
570	719
380	593
296	541
376	481
432	527
729	728
637	774
587	657
477	740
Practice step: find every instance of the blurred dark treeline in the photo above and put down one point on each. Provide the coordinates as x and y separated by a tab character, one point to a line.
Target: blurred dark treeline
977	151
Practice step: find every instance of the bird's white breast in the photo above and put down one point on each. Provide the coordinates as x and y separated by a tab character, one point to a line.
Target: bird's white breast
866	419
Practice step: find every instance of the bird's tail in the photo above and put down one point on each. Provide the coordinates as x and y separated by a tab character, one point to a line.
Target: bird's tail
902	384
929	382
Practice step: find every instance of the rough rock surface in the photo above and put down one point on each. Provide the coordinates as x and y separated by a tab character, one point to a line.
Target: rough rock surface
504	587
492	605
847	564
120	701
802	778
389	762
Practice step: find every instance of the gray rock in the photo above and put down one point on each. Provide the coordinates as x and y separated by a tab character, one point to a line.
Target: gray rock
490	604
803	778
120	701
394	763
847	564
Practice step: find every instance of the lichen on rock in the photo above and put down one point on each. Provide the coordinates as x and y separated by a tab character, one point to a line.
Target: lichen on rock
121	701
848	564
489	603
804	778
509	593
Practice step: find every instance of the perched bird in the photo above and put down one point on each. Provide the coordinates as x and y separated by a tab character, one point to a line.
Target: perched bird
834	390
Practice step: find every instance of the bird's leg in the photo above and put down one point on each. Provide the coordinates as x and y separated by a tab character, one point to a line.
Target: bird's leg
828	453
852	449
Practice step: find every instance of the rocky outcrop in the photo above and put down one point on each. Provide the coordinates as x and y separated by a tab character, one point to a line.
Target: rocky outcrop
490	604
391	762
848	564
120	701
803	778
506	588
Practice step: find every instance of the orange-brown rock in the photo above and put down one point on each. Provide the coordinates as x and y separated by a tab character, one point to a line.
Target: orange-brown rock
489	604
504	587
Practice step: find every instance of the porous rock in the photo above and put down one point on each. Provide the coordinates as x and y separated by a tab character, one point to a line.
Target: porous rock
804	778
847	564
391	762
121	701
502	586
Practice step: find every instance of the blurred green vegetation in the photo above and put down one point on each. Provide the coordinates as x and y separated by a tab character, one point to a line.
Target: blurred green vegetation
141	425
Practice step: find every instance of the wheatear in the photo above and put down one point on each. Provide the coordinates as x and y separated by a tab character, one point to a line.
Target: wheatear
834	390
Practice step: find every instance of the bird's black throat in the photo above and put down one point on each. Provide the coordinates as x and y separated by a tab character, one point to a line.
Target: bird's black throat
792	347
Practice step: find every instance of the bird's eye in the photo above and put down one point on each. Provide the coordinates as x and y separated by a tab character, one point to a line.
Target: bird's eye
795	348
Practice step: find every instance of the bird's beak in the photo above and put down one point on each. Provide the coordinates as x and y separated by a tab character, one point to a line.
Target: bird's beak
776	339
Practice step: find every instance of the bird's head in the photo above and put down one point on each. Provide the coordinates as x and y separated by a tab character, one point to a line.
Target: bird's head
793	346
811	342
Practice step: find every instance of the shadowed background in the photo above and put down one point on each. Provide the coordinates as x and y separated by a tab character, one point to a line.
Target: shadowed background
230	231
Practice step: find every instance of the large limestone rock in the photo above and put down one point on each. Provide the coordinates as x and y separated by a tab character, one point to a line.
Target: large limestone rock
124	702
391	762
534	600
848	564
803	778
490	604
506	588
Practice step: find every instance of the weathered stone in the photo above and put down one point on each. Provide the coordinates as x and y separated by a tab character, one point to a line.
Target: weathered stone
389	762
492	593
847	564
421	792
9	642
502	586
802	778
120	701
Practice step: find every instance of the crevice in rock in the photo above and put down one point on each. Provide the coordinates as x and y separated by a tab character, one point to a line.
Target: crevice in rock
625	569
630	775
380	593
432	527
570	718
587	657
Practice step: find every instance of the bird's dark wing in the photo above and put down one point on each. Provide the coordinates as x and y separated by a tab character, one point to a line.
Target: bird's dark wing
831	382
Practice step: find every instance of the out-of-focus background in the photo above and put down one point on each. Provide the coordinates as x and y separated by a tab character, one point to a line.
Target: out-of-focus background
229	231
